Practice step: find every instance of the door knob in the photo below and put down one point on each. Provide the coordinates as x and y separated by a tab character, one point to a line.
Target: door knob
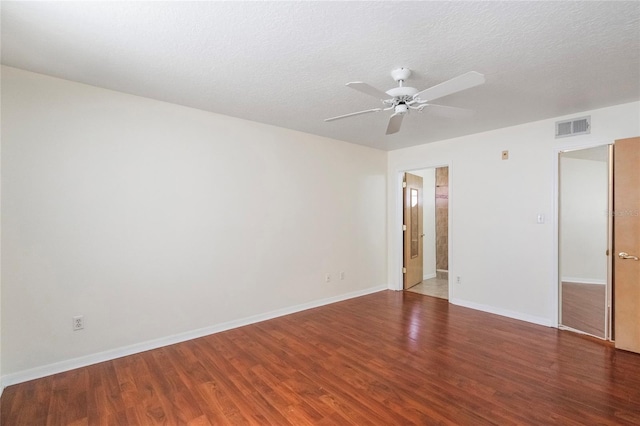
625	255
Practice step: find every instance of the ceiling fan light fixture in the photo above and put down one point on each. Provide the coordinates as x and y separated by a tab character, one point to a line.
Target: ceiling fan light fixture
401	109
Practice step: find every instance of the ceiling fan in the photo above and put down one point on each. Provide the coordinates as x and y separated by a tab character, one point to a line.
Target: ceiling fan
403	99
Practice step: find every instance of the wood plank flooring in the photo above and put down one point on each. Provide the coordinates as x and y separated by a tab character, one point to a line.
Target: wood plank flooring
390	358
583	307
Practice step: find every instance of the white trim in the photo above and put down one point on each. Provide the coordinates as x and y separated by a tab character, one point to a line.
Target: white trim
608	303
83	361
554	294
396	234
547	322
577	280
428	276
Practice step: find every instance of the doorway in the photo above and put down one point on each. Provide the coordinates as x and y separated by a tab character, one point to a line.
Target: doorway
585	240
434	232
582	262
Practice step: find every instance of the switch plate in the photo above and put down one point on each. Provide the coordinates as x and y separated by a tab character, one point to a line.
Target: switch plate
505	155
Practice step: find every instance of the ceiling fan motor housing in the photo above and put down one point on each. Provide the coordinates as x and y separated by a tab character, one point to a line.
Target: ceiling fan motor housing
402	92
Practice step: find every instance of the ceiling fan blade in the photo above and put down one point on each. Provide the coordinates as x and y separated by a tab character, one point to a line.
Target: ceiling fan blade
447	111
353	114
369	90
395	121
456	84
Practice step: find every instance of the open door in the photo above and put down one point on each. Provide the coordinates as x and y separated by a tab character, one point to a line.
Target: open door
413	230
626	243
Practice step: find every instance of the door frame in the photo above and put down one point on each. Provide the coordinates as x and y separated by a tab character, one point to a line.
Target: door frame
396	220
554	295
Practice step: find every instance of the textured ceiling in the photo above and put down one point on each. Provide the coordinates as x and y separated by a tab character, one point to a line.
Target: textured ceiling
286	63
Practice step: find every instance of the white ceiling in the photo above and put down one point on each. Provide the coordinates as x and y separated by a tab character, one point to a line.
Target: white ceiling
286	63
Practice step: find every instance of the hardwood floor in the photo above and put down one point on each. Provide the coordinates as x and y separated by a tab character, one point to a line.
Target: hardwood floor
583	307
387	358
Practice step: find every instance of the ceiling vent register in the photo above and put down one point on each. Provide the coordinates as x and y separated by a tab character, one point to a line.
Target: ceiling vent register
573	127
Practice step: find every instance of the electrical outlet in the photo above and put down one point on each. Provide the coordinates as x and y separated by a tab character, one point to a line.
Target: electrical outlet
78	322
458	280
327	278
342	275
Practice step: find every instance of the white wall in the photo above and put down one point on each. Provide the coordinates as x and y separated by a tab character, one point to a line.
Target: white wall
428	221
505	260
583	220
1	381
154	220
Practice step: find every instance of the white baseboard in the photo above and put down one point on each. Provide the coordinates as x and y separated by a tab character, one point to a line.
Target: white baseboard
83	361
503	312
577	280
429	276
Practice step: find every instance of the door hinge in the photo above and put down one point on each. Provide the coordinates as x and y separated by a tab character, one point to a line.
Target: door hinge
404	270
607	252
404	184
404	227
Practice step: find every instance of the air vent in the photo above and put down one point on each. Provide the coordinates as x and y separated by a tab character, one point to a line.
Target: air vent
577	126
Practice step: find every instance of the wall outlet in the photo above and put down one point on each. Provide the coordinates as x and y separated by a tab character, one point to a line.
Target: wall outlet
327	278
458	280
342	275
78	322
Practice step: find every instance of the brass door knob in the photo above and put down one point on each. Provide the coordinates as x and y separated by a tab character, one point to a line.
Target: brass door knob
625	255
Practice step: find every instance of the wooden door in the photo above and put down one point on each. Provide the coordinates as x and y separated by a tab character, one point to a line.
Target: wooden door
413	230
626	243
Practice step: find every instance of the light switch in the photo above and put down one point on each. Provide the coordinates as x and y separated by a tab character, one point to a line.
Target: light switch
540	218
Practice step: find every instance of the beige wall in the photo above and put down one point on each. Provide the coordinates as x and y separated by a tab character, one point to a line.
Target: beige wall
159	222
1	381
